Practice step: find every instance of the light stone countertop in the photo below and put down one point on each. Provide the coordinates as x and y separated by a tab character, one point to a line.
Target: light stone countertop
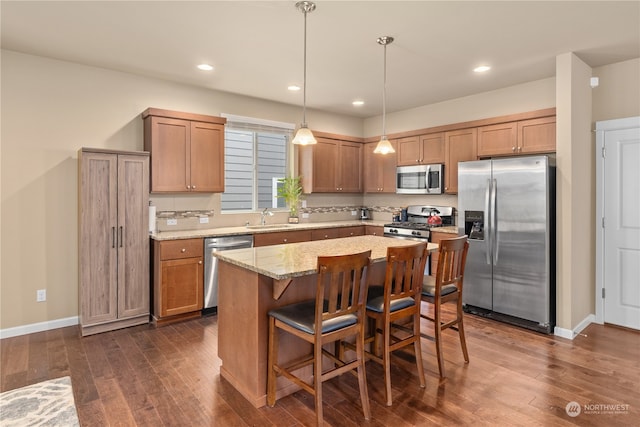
243	230
300	259
272	228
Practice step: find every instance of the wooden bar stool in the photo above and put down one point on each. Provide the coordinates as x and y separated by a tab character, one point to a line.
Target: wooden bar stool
338	312
447	287
398	299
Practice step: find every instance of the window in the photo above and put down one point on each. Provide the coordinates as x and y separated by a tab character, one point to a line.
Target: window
256	156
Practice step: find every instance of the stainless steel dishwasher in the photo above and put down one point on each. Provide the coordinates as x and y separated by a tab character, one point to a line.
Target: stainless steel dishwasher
215	244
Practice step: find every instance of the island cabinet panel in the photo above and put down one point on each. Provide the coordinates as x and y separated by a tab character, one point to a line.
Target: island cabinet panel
178	281
421	150
335	233
331	166
460	146
379	170
113	199
281	237
187	151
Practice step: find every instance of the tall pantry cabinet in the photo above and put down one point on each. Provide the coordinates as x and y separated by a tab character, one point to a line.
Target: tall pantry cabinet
113	239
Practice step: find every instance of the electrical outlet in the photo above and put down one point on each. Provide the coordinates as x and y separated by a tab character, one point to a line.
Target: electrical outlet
172	221
41	295
354	213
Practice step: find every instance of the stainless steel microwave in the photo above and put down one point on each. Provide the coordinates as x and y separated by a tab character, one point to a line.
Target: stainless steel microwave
420	179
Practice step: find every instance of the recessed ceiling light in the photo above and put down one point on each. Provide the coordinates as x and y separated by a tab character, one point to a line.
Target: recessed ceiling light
293	88
482	69
357	103
205	67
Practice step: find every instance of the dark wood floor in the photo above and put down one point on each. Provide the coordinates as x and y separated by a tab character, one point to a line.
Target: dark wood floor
170	377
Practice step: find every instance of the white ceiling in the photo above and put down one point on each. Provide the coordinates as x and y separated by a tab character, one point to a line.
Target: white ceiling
257	47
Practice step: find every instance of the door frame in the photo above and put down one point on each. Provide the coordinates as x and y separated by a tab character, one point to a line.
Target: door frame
601	128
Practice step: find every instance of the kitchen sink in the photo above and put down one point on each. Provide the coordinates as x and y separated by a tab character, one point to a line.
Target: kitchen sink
261	227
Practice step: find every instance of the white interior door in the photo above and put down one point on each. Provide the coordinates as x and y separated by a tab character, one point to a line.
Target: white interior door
622	228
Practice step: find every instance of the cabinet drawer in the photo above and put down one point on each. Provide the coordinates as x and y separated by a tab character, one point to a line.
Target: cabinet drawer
278	238
184	248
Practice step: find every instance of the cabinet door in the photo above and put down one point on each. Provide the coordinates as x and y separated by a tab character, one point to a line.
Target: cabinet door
432	146
182	286
169	151
98	255
133	235
374	230
278	238
537	135
409	151
460	146
206	157
498	140
350	157
379	170
325	165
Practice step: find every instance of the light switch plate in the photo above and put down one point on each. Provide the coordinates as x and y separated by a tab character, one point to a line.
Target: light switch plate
172	221
204	220
305	215
354	213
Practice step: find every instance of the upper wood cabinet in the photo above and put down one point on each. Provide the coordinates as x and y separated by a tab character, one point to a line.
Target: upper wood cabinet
187	151
113	239
460	146
421	149
515	138
379	170
331	166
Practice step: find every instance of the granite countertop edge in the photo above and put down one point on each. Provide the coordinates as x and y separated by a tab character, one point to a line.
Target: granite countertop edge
243	230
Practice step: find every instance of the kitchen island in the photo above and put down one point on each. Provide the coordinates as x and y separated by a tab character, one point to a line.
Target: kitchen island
255	280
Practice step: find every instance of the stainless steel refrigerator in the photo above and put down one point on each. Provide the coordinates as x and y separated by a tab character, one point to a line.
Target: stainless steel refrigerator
507	208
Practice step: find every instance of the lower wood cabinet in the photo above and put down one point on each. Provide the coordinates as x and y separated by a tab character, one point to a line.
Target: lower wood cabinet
374	230
178	281
335	233
281	237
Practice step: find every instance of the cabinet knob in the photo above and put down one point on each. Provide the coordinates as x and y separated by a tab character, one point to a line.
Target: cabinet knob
193	187
284	240
513	148
199	262
183	250
188	187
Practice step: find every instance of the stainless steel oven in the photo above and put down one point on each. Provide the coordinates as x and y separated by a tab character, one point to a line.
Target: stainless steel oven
417	226
420	179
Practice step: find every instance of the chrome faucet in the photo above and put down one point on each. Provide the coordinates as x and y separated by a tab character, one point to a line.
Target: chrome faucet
266	211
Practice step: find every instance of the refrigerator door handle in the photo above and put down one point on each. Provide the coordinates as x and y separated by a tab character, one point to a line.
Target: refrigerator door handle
487	212
494	221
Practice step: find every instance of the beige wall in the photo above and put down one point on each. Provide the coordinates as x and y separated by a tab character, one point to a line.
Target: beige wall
618	94
51	108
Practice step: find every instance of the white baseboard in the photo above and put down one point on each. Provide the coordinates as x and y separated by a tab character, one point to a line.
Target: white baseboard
38	327
571	334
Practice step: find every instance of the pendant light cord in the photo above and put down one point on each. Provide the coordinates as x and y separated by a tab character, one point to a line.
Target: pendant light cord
304	74
384	94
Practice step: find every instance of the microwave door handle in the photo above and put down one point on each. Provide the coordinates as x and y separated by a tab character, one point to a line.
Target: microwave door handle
428	179
487	220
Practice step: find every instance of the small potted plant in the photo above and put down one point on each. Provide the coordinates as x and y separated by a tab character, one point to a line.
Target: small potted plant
291	191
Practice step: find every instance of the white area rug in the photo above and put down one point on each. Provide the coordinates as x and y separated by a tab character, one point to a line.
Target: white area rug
49	403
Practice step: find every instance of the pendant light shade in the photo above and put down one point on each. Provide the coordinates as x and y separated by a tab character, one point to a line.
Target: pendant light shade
304	135
384	146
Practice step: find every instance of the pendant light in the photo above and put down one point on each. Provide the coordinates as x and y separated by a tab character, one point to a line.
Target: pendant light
384	146
304	135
